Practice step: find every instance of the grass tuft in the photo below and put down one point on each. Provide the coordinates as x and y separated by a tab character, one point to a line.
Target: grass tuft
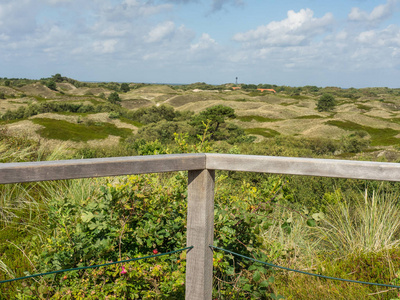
368	225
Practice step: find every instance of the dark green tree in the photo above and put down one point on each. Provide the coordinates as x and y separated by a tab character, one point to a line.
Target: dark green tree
125	87
249	87
51	85
215	117
114	98
57	78
7	82
326	103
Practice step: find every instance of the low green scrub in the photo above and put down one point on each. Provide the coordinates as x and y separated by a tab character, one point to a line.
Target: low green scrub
309	117
289	103
265	132
63	130
379	136
299	97
129	121
40	99
255	93
379	267
364	107
257	118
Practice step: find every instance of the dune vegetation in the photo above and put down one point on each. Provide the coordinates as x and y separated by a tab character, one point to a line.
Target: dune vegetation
335	227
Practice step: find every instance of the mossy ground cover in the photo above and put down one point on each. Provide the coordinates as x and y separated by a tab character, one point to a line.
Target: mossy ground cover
289	103
68	113
309	117
6	122
134	123
364	107
265	132
379	136
63	130
257	118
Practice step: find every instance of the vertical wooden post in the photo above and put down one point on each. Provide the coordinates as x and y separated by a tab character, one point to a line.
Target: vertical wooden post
200	234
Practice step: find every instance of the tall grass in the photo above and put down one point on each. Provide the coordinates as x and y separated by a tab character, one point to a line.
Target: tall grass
358	239
15	200
368	224
289	242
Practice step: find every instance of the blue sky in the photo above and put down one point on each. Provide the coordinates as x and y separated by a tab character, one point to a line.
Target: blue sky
352	43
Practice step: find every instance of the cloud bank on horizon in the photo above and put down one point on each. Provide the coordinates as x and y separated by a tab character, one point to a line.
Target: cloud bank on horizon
346	43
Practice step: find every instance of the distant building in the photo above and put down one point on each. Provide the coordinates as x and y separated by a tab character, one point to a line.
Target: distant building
236	88
269	90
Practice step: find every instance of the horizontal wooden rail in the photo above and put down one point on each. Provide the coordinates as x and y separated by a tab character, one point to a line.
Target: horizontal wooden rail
115	166
305	166
99	167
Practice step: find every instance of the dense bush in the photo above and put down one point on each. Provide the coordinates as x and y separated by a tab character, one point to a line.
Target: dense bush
326	102
95	221
114	98
163	131
153	114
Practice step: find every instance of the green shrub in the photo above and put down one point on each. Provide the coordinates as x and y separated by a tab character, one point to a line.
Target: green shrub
153	114
326	103
125	87
114	115
163	131
51	85
114	98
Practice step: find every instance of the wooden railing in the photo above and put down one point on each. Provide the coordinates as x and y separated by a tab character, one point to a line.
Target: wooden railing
201	178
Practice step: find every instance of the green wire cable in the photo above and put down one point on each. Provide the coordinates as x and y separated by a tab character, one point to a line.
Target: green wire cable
306	273
96	266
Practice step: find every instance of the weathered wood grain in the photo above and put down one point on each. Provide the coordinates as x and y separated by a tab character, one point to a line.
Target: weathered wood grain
98	167
305	166
200	234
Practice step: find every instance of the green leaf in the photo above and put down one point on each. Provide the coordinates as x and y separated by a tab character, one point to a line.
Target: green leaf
230	271
264	283
311	223
256	276
87	217
252	268
247	287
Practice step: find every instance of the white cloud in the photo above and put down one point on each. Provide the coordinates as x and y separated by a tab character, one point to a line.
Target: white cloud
388	37
378	14
160	32
298	28
105	47
205	43
55	2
